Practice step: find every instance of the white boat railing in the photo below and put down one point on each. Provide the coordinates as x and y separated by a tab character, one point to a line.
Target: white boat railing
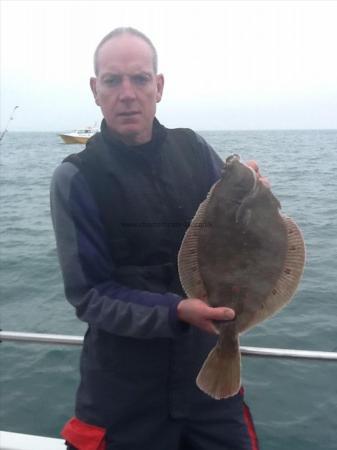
14	336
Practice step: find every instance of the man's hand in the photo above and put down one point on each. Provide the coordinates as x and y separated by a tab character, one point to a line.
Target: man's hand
253	165
195	312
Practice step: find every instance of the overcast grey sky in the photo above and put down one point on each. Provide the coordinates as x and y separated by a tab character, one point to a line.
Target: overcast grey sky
227	64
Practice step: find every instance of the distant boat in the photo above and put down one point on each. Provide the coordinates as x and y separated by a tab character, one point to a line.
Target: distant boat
79	136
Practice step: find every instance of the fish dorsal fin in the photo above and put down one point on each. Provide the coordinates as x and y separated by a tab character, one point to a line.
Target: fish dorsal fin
289	279
293	267
188	262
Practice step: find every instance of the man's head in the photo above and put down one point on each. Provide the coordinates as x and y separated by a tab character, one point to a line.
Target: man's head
127	86
126	30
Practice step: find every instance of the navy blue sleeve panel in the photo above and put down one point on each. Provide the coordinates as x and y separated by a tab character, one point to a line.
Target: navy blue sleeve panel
87	268
213	163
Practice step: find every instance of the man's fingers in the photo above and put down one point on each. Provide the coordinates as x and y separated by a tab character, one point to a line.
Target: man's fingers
253	165
221	313
265	181
195	312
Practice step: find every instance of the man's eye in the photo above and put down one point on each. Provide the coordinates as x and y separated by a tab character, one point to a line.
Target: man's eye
113	80
140	80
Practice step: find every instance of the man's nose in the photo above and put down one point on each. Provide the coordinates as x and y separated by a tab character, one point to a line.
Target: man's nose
127	91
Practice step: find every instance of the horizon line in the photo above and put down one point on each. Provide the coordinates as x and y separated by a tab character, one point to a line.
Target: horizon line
197	130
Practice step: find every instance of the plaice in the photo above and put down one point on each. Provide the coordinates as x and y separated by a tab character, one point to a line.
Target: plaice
239	252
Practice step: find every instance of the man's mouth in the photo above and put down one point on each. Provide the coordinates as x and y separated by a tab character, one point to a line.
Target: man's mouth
129	113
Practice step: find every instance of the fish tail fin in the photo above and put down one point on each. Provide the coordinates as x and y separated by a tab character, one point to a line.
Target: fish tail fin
220	375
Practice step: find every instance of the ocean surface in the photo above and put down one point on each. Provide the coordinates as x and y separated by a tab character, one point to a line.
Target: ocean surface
294	403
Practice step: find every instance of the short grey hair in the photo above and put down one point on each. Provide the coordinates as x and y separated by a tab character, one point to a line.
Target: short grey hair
126	30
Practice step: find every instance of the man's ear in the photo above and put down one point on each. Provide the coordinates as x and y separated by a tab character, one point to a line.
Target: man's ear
160	86
93	82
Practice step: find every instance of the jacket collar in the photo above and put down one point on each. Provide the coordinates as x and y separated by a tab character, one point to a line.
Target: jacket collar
158	136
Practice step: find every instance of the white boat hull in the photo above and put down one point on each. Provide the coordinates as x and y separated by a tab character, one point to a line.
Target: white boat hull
80	136
72	139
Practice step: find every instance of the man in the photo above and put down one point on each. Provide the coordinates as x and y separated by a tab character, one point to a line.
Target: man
120	209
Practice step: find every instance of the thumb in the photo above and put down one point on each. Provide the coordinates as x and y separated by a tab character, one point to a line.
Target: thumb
221	313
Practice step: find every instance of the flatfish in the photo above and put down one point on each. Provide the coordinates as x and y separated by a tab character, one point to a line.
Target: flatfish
240	252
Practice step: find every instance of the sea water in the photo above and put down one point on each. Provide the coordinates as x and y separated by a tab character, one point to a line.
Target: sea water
294	402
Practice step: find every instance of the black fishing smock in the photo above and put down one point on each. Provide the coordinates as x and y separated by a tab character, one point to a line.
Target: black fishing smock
146	196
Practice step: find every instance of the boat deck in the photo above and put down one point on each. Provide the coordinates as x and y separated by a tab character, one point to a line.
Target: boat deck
18	441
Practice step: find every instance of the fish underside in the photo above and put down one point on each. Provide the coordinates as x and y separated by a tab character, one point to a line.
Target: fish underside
239	252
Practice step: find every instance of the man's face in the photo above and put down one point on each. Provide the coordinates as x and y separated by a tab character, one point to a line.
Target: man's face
127	88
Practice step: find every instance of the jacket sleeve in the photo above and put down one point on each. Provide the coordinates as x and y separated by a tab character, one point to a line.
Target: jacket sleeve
87	268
